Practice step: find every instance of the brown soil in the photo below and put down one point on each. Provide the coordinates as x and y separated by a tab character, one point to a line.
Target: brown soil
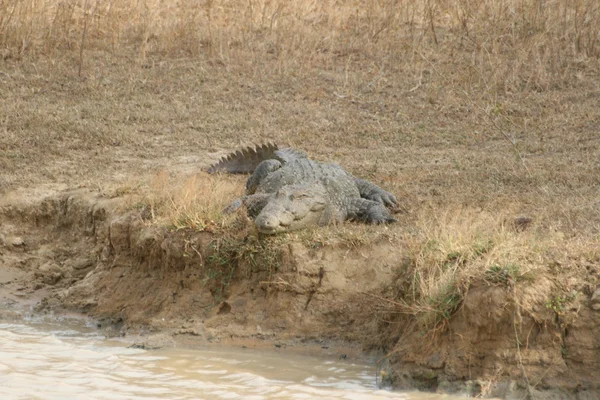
485	129
78	251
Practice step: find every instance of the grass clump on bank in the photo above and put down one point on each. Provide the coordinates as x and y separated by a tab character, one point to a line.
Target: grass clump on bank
195	202
453	250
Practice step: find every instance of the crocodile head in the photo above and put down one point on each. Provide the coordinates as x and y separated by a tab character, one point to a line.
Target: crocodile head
293	207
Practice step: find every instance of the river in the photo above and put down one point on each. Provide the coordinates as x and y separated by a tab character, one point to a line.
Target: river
43	358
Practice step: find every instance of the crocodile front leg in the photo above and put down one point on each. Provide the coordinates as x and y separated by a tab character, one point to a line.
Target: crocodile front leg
260	173
369	211
370	191
254	204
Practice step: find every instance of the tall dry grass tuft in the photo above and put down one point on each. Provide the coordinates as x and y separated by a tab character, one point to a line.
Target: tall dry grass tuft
499	44
455	248
196	202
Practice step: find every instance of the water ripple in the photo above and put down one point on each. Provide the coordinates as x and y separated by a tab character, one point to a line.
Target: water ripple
46	361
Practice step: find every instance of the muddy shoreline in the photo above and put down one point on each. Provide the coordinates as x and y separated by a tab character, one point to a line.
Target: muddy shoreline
79	252
482	121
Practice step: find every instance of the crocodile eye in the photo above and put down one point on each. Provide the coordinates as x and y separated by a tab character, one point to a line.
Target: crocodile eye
318	206
300	196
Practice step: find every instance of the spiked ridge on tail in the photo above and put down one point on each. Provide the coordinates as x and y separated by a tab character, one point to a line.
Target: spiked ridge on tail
244	161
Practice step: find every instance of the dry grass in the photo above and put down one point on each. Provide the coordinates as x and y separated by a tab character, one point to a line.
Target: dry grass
450	250
457	247
471	112
499	45
194	202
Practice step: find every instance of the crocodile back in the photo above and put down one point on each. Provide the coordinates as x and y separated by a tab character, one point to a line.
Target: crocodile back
339	183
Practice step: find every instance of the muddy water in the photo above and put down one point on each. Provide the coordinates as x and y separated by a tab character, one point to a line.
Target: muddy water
67	360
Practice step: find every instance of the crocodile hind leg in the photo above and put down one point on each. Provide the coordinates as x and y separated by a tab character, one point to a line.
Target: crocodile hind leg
369	211
370	191
254	204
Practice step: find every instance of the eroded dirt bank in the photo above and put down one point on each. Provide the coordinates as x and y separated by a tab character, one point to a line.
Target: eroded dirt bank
80	252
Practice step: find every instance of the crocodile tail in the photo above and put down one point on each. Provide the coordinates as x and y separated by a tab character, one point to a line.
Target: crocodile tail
246	160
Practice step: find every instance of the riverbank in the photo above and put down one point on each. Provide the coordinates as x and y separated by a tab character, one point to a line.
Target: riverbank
483	121
81	252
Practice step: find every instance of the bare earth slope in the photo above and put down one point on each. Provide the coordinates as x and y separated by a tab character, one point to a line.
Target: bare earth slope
78	251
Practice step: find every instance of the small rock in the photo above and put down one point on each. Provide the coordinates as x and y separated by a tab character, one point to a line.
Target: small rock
83	263
573	283
80	267
49	267
52	278
596	296
188	331
596	299
522	222
50	273
153	342
587	395
436	361
225	308
9	315
17	241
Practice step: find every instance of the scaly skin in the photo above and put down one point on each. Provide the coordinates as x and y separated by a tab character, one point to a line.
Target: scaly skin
288	191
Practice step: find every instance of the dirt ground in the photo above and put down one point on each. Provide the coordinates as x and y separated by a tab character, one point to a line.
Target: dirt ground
488	285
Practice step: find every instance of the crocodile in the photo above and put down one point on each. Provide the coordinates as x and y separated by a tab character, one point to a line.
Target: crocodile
288	191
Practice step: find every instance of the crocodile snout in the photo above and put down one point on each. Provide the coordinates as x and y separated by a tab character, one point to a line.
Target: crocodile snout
273	223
